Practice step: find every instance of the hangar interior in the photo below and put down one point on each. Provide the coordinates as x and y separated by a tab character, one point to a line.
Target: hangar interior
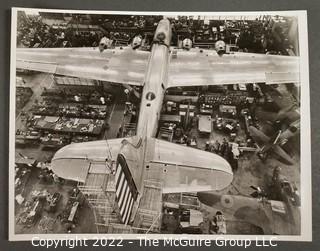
53	111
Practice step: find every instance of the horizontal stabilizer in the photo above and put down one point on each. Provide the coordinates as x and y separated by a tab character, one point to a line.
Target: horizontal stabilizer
72	162
186	169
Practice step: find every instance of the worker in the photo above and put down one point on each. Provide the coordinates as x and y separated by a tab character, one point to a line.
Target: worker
110	165
218	223
193	141
276	173
120	131
207	147
55	178
216	146
184	139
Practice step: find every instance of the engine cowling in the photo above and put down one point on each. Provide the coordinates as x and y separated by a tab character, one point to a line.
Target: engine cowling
220	47
136	42
187	44
104	44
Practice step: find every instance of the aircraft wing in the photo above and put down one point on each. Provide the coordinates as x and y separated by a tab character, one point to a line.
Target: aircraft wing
205	67
186	169
126	66
258	136
282	154
268	215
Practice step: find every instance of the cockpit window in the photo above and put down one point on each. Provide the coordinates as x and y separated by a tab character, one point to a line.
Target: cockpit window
150	96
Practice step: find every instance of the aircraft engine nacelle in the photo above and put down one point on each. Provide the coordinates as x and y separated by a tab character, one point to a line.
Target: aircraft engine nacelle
104	44
136	42
220	47
187	44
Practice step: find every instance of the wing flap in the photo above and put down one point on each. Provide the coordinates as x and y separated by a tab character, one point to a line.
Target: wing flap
37	66
205	67
282	77
124	66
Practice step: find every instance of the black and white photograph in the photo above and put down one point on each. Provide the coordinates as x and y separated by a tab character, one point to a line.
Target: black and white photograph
159	123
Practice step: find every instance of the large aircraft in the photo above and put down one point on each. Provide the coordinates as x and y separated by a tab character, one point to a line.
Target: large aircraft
287	125
179	168
254	215
288	114
273	145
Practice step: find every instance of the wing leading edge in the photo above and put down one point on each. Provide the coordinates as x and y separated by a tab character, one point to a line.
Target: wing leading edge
73	161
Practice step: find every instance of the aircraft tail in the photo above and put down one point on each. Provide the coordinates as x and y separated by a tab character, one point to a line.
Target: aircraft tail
126	190
129	176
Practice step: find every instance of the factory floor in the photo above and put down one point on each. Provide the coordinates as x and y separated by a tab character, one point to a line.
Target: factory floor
251	171
85	217
86	225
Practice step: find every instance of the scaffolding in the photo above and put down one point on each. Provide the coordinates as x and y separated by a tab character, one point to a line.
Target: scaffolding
99	191
149	214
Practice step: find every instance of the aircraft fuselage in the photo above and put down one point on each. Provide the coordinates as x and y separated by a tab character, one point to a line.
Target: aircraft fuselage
155	82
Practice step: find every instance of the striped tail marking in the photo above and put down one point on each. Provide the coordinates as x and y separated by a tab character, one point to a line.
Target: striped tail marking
126	191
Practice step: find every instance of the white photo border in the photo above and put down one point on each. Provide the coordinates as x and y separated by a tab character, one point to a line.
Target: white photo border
305	142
